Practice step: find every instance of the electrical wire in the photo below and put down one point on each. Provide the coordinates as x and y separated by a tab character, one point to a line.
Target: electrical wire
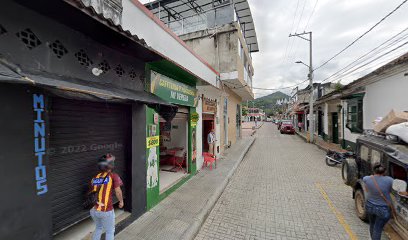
311	14
291	28
382	55
267	89
301	15
297	27
281	88
361	36
374	50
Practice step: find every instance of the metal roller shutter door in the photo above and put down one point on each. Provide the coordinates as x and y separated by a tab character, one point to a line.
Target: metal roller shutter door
81	132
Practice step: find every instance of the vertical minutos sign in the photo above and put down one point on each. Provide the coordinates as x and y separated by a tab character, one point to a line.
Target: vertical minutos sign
39	143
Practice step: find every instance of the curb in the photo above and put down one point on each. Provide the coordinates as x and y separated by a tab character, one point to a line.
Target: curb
317	145
192	232
301	136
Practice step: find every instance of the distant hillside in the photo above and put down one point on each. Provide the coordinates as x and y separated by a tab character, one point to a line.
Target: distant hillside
273	97
268	102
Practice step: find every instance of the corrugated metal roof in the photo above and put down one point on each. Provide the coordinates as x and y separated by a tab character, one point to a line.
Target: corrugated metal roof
111	22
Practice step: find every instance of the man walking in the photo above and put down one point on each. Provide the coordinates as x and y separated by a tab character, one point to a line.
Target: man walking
104	184
211	141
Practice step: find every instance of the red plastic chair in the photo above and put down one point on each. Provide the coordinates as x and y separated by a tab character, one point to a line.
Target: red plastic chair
180	159
209	159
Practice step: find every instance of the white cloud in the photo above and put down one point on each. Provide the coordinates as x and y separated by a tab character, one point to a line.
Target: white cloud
334	24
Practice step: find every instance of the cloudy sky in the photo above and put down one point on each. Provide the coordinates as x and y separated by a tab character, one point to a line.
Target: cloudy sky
335	24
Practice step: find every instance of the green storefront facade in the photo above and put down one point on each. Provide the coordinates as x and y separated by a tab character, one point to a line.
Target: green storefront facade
178	87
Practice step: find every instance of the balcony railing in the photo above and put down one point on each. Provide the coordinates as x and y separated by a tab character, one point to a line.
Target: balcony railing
209	19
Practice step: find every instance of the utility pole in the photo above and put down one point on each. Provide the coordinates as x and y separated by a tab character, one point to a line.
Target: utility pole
310	76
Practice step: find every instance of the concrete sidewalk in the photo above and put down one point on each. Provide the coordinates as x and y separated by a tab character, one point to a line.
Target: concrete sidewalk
181	215
250	125
323	145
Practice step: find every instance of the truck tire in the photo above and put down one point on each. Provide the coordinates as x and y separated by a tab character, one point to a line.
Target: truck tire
359	200
349	171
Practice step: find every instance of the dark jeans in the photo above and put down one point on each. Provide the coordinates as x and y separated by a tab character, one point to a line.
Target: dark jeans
378	217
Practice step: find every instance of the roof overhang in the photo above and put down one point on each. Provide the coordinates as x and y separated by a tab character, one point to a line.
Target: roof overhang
75	89
74	14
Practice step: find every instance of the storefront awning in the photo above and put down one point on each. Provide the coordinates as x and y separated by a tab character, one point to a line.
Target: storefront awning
69	88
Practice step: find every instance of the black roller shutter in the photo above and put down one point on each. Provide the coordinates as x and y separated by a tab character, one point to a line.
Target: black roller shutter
81	132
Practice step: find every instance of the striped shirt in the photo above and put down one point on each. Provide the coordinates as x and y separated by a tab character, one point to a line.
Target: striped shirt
104	183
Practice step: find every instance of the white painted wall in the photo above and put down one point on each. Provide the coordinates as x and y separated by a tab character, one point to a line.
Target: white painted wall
382	96
139	23
199	133
178	134
326	118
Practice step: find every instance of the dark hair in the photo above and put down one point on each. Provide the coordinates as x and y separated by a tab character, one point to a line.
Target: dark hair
378	168
106	162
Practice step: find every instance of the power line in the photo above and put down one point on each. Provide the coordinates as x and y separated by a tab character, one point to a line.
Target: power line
297	27
355	62
361	36
313	10
382	55
238	86
281	88
291	28
301	15
353	68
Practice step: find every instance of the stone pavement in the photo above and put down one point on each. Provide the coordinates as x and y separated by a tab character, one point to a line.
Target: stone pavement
284	190
181	214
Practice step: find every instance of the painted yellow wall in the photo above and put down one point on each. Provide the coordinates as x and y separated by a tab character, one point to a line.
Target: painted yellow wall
233	101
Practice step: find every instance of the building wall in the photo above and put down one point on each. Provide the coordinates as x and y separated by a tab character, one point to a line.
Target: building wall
42	59
221	48
383	96
326	119
141	22
213	44
233	101
199	139
28	215
25	215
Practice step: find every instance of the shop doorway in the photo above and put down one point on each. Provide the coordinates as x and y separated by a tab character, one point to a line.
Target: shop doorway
238	121
335	127
208	125
173	150
320	123
80	133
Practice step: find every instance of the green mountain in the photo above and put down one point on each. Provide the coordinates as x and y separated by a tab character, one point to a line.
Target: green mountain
268	102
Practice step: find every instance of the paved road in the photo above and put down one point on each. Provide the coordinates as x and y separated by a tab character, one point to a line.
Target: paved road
284	190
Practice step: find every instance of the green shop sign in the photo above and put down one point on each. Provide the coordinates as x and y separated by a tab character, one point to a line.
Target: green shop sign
172	91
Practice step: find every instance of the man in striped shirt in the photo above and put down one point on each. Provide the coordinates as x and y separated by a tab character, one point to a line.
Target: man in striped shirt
104	184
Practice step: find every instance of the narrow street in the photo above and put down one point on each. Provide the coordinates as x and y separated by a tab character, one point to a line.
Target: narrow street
284	190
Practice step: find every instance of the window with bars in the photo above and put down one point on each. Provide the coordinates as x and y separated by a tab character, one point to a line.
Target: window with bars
355	115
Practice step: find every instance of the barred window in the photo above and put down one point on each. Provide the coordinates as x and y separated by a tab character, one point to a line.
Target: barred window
355	115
